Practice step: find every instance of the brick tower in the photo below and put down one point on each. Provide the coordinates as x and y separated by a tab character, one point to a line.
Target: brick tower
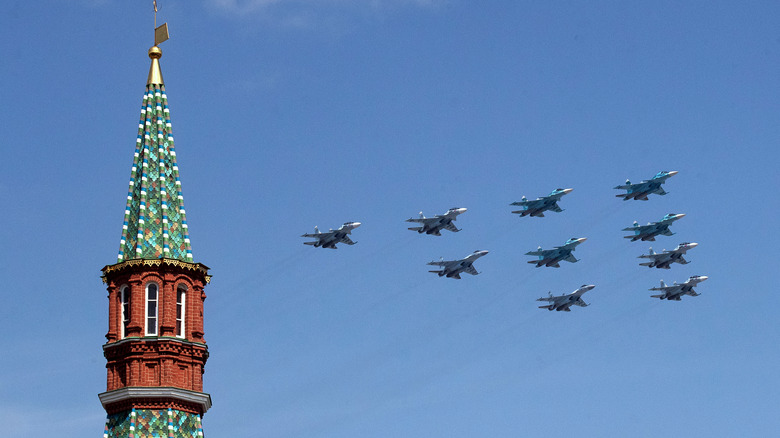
155	349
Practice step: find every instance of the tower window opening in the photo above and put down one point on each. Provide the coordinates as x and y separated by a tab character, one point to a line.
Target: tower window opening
125	297
181	299
151	309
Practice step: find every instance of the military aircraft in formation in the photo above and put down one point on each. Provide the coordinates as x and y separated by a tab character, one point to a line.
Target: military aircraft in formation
330	238
563	302
453	268
551	257
676	291
642	189
538	206
652	229
664	259
434	225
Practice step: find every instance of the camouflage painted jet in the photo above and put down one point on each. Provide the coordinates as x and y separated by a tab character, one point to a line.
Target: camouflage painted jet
453	268
551	257
664	259
538	206
332	237
563	302
676	291
434	225
652	229
642	189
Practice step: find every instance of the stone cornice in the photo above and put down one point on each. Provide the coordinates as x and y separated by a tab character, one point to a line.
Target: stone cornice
157	263
155	393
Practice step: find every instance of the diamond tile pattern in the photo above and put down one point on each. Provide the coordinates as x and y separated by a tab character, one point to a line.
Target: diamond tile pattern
153	423
155	223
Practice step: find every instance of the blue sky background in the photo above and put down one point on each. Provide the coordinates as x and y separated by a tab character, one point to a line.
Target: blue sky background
290	114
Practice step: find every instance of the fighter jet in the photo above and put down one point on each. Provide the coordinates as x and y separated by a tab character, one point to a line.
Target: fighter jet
551	257
676	291
453	268
642	189
434	225
664	259
652	229
563	302
538	206
332	237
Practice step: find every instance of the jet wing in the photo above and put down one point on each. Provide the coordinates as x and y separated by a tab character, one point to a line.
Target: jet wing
347	240
570	258
470	270
555	208
419	219
317	235
442	262
540	252
451	227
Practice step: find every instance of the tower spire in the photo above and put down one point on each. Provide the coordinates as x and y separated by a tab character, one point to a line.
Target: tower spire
155	350
155	224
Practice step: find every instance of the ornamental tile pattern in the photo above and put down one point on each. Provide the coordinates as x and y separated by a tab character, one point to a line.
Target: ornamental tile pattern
153	423
155	222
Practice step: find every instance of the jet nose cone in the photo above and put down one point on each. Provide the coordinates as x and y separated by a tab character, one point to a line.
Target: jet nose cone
582	239
481	252
588	286
355	224
693	245
567	191
703	277
461	210
673	173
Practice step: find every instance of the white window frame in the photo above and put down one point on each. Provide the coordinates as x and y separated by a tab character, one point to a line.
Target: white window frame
147	317
181	320
125	310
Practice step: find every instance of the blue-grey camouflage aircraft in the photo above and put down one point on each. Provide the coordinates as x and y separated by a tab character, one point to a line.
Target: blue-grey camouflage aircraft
563	302
538	206
330	238
676	291
453	268
663	259
652	229
640	190
434	225
551	257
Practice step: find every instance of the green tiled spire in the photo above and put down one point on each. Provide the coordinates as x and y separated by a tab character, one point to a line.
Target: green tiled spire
155	224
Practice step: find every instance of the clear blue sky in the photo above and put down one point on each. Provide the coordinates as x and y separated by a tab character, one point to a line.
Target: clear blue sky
290	114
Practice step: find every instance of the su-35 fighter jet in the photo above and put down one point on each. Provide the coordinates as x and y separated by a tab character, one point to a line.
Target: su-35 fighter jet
332	237
453	268
640	190
676	291
434	225
538	206
663	259
551	257
563	302
652	229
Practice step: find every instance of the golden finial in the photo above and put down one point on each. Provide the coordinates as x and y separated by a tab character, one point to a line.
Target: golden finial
160	36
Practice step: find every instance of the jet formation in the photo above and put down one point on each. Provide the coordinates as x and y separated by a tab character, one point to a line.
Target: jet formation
653	229
434	225
551	257
676	291
538	206
332	237
664	259
641	190
453	268
563	302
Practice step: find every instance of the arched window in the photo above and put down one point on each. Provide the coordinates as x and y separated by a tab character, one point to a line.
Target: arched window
151	309
124	295
181	299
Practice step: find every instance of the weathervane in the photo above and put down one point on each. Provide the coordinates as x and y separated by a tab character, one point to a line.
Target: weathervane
160	33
